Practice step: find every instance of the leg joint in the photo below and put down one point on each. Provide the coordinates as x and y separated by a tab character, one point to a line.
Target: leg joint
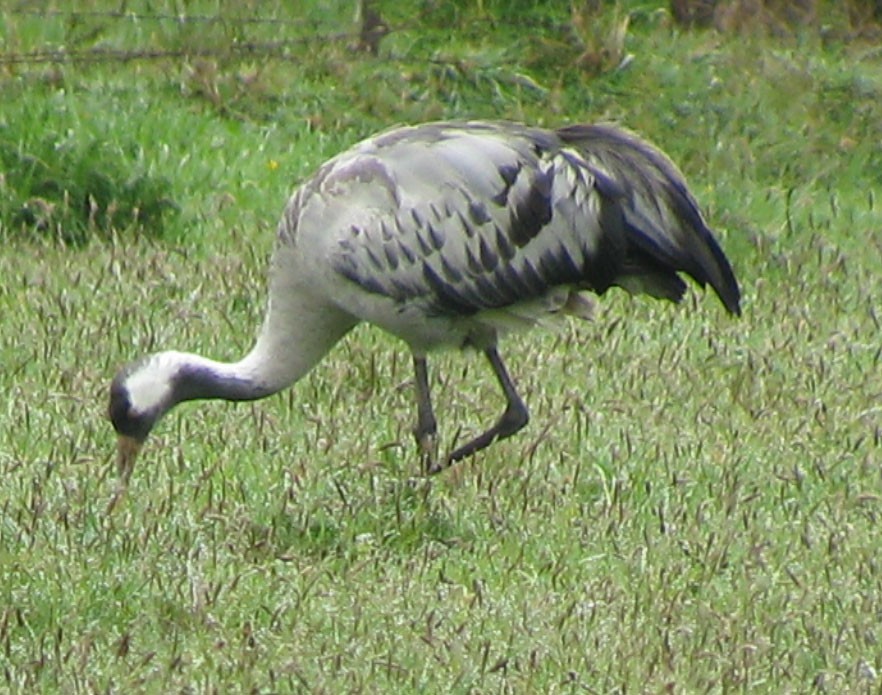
515	417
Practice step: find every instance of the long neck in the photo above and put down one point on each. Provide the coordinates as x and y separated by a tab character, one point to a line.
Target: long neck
296	334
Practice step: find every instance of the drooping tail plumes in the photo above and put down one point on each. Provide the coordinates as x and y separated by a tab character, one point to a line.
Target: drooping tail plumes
664	227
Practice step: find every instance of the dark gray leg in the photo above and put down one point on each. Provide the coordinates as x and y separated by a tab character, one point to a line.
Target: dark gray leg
426	428
513	419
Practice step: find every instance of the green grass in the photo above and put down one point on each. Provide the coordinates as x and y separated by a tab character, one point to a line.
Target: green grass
694	506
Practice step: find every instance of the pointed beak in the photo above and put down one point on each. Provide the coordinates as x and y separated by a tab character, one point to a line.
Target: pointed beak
127	449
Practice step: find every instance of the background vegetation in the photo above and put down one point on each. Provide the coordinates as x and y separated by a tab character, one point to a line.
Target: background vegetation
695	505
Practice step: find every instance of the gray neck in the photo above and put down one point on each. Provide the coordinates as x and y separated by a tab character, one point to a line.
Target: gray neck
293	339
204	380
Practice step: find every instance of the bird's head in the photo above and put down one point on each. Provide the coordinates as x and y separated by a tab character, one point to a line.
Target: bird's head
140	394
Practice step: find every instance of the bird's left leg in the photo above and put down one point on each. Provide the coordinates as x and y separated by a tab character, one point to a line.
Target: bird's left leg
426	428
513	419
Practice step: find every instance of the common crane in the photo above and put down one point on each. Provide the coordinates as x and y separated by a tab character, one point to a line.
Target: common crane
448	234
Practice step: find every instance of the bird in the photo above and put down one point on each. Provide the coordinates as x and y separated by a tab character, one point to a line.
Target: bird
449	234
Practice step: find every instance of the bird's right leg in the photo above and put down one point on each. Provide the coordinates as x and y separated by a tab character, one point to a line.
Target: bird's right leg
514	417
426	429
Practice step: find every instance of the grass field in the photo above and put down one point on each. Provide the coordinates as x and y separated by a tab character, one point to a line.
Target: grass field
695	504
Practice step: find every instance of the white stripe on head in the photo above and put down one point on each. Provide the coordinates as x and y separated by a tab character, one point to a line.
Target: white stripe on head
150	384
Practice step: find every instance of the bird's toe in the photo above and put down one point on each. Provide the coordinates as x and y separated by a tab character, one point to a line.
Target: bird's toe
428	445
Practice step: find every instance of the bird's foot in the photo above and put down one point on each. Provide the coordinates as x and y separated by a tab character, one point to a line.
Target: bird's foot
428	444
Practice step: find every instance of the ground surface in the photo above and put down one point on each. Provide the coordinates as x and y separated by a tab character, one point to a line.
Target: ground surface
695	504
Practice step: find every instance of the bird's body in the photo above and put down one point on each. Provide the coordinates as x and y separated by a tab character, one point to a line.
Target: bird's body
449	234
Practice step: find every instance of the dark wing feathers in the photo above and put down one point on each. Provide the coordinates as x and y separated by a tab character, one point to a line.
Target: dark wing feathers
473	216
661	216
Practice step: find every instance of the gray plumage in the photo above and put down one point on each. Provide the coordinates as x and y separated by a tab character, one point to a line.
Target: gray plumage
448	234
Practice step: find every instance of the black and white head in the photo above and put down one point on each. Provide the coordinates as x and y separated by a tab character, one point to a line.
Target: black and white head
140	394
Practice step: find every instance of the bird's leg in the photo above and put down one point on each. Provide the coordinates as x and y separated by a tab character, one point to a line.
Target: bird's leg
513	419
426	428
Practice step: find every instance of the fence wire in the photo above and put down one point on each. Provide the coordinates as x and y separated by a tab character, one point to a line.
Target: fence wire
153	17
98	55
356	37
